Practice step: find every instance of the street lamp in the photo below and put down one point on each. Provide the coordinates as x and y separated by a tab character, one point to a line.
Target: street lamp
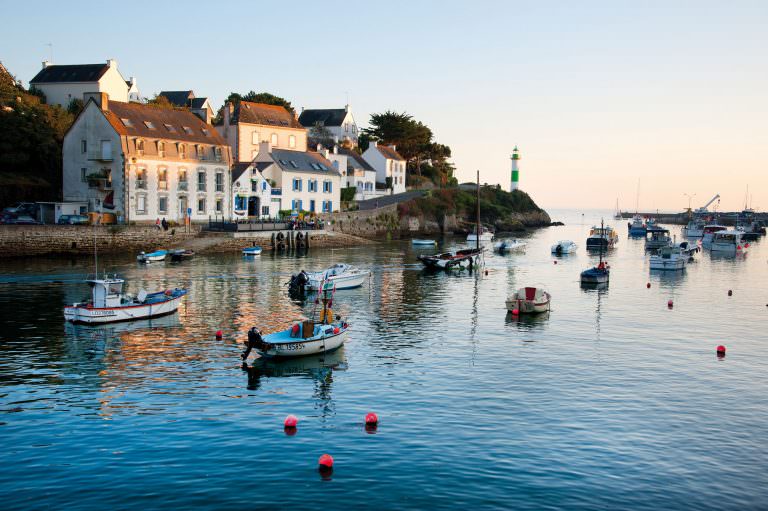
689	199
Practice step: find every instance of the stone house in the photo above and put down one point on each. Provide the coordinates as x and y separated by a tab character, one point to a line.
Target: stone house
63	83
388	164
144	162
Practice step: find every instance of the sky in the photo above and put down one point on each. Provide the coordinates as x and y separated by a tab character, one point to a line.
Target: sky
640	102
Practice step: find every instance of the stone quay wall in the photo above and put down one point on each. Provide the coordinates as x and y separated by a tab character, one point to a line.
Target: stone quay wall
385	222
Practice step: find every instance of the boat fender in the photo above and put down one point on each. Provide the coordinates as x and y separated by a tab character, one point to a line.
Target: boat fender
336	330
168	292
295	330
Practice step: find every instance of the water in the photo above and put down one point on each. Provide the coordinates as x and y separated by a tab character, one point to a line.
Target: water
612	401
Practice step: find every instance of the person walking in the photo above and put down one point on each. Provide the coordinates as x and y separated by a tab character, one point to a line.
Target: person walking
164	223
157	224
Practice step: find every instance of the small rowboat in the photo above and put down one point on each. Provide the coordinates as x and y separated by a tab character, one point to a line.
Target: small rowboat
252	251
151	257
529	300
423	242
181	255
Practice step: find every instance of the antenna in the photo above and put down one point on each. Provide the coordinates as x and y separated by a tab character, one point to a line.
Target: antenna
50	48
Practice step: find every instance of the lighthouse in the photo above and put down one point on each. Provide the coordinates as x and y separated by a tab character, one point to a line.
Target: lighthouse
515	182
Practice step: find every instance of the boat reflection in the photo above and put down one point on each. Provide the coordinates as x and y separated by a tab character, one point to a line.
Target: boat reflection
528	322
668	279
318	367
108	331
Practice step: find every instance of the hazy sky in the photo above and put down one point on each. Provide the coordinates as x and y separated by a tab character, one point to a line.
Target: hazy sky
596	94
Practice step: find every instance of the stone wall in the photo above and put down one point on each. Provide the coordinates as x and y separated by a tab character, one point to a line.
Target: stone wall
385	222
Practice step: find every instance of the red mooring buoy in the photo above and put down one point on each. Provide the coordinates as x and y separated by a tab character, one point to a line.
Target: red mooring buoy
554	262
648	285
219	334
515	312
371	418
670	304
325	462
720	350
291	421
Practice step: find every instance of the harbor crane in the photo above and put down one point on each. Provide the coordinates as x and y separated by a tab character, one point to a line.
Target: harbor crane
703	209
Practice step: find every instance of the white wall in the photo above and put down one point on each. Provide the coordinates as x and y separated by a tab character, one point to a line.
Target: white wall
289	194
386	168
62	93
243	187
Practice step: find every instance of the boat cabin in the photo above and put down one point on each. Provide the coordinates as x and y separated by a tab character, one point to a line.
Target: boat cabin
106	292
729	237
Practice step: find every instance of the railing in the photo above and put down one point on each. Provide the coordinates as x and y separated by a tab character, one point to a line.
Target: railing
99	156
277	191
249	225
162	185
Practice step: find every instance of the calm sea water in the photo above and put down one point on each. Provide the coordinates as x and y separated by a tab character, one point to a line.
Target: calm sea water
611	401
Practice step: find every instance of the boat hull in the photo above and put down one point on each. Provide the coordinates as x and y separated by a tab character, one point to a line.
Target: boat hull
486	236
302	347
594	276
563	248
528	306
251	251
675	264
350	281
448	263
424	242
99	315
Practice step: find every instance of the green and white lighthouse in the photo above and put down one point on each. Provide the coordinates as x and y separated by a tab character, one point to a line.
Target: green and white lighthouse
515	183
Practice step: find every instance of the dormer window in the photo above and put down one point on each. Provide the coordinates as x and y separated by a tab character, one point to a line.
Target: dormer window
201	152
187	130
161	149
182	151
205	132
127	123
149	125
140	147
170	128
217	150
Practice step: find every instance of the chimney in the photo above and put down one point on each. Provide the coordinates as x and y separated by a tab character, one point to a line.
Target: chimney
112	63
265	148
100	98
132	81
46	63
335	149
228	111
319	148
394	147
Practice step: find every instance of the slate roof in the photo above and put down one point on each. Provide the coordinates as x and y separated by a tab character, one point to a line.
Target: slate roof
326	116
137	114
198	102
178	97
70	73
355	160
239	168
267	115
300	161
390	153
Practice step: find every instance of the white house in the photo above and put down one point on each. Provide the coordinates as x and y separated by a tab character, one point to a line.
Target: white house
145	162
388	164
134	96
338	121
355	172
252	194
63	83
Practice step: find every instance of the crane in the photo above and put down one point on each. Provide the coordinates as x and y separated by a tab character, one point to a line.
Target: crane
703	209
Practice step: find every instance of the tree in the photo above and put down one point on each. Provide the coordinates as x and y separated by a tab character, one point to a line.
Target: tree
161	102
319	134
402	130
261	97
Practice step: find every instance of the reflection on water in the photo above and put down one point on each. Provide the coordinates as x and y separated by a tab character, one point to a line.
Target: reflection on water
576	408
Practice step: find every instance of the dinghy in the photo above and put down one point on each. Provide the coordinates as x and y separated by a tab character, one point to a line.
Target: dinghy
151	257
251	251
182	255
423	242
339	276
509	246
528	300
564	247
468	258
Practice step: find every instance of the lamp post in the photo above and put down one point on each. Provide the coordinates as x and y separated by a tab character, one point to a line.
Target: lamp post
689	200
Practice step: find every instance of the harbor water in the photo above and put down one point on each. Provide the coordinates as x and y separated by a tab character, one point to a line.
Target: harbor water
613	400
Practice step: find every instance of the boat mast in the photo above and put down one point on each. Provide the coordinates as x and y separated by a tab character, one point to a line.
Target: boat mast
95	254
604	237
477	227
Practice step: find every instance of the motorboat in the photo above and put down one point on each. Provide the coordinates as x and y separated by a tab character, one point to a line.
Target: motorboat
709	232
485	235
308	337
468	258
109	304
747	234
694	229
529	300
251	251
636	226
509	245
339	276
603	237
564	247
670	258
152	257
423	242
601	273
729	241
656	238
181	255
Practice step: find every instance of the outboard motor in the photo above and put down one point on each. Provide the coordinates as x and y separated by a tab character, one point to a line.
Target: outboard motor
298	284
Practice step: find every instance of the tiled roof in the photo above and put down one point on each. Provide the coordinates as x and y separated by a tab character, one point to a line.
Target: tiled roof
131	118
388	152
70	73
267	115
354	160
327	117
178	97
300	161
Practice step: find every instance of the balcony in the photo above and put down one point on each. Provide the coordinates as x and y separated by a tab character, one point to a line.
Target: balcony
183	186
162	185
100	156
277	191
141	184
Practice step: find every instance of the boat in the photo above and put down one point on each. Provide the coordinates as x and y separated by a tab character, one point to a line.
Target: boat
339	276
308	337
601	273
151	257
709	232
636	226
251	251
108	304
747	234
181	255
529	300
656	238
617	215
509	245
564	247
729	241
694	229
420	242
485	235
468	258
602	237
669	258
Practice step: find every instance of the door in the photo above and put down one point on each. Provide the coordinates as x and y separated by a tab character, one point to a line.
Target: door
253	206
182	207
312	205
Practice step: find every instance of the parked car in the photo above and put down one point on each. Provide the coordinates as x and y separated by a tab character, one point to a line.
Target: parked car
73	220
23	220
22	209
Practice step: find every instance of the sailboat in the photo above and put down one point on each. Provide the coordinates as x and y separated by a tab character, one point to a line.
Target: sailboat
617	215
598	274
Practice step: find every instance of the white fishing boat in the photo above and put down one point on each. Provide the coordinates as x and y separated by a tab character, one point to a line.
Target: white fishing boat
108	303
656	238
694	229
485	235
251	251
340	276
421	242
564	247
602	237
152	257
669	258
709	233
529	300
729	241
509	245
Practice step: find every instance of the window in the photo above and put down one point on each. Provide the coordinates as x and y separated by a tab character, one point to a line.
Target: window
312	205
328	186
254	186
162	179
219	205
265	210
296	205
141	178
84	175
263	186
283	162
127	123
255	138
217	151
83	146
187	130
140	147
201	205
162	204
241	203
170	128
183	151
219	181
322	167
294	165
296	185
205	132
274	139
201	181
161	149
149	125
291	141
141	204
183	179
201	152
312	185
